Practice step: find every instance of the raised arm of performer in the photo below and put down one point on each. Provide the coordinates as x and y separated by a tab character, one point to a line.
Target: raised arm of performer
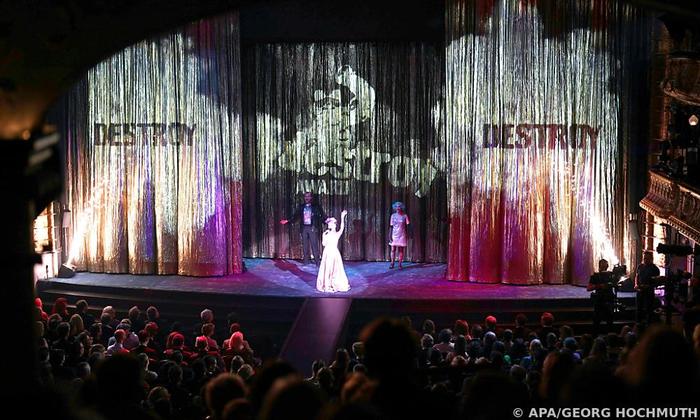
342	222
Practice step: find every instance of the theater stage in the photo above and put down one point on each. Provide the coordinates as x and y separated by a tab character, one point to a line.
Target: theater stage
368	280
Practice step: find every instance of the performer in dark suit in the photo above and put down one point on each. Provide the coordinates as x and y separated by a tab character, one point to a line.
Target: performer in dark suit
603	296
311	218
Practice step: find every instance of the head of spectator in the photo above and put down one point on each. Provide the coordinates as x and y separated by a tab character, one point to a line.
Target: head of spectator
565	331
490	322
119	336
76	325
208	329
428	327
63	331
426	341
547	319
265	379
151	329
662	369
518	373
355	389
556	371
119	385
81	306
159	400
134	313
477	332
220	390
460	348
507	335
461	327
236	342
390	350
201	344
60	307
445	336
152	314
109	310
206	316
238	409
175	340
520	320
43	316
236	363
246	372
291	398
358	350
342	359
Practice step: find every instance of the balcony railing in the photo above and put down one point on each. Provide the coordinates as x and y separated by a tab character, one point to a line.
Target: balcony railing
675	202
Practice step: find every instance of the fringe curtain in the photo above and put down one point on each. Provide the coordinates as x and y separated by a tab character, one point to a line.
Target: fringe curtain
154	180
537	143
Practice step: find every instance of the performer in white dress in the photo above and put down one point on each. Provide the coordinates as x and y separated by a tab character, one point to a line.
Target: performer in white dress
331	273
398	222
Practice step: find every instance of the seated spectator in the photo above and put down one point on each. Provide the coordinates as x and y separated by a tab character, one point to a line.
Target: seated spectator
290	399
461	327
445	345
426	350
232	329
60	307
118	346
237	346
148	375
208	333
491	324
81	308
135	319
546	326
460	349
221	390
535	356
238	409
663	370
521	331
76	325
246	372
358	354
177	344
40	305
112	316
429	328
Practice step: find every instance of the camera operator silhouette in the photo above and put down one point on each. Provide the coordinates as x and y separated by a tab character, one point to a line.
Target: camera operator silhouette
644	284
603	296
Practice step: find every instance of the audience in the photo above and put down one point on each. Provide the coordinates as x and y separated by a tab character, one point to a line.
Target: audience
393	372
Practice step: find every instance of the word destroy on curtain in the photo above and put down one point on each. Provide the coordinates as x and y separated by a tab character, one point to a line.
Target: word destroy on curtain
144	133
522	136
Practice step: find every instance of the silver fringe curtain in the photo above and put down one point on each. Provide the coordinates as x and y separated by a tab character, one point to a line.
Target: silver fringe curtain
359	125
535	94
154	181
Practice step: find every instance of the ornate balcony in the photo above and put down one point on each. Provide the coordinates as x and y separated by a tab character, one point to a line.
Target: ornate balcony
676	202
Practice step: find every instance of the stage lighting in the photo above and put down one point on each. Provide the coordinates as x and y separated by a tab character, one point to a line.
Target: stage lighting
678	250
66	271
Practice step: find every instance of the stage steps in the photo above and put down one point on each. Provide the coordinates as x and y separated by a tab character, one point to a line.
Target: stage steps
316	332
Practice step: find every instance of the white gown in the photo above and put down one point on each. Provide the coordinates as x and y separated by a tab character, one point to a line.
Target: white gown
331	273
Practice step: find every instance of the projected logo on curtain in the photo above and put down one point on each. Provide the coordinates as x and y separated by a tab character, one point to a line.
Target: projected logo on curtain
325	155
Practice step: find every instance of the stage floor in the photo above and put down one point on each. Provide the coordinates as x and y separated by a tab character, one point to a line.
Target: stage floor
368	280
